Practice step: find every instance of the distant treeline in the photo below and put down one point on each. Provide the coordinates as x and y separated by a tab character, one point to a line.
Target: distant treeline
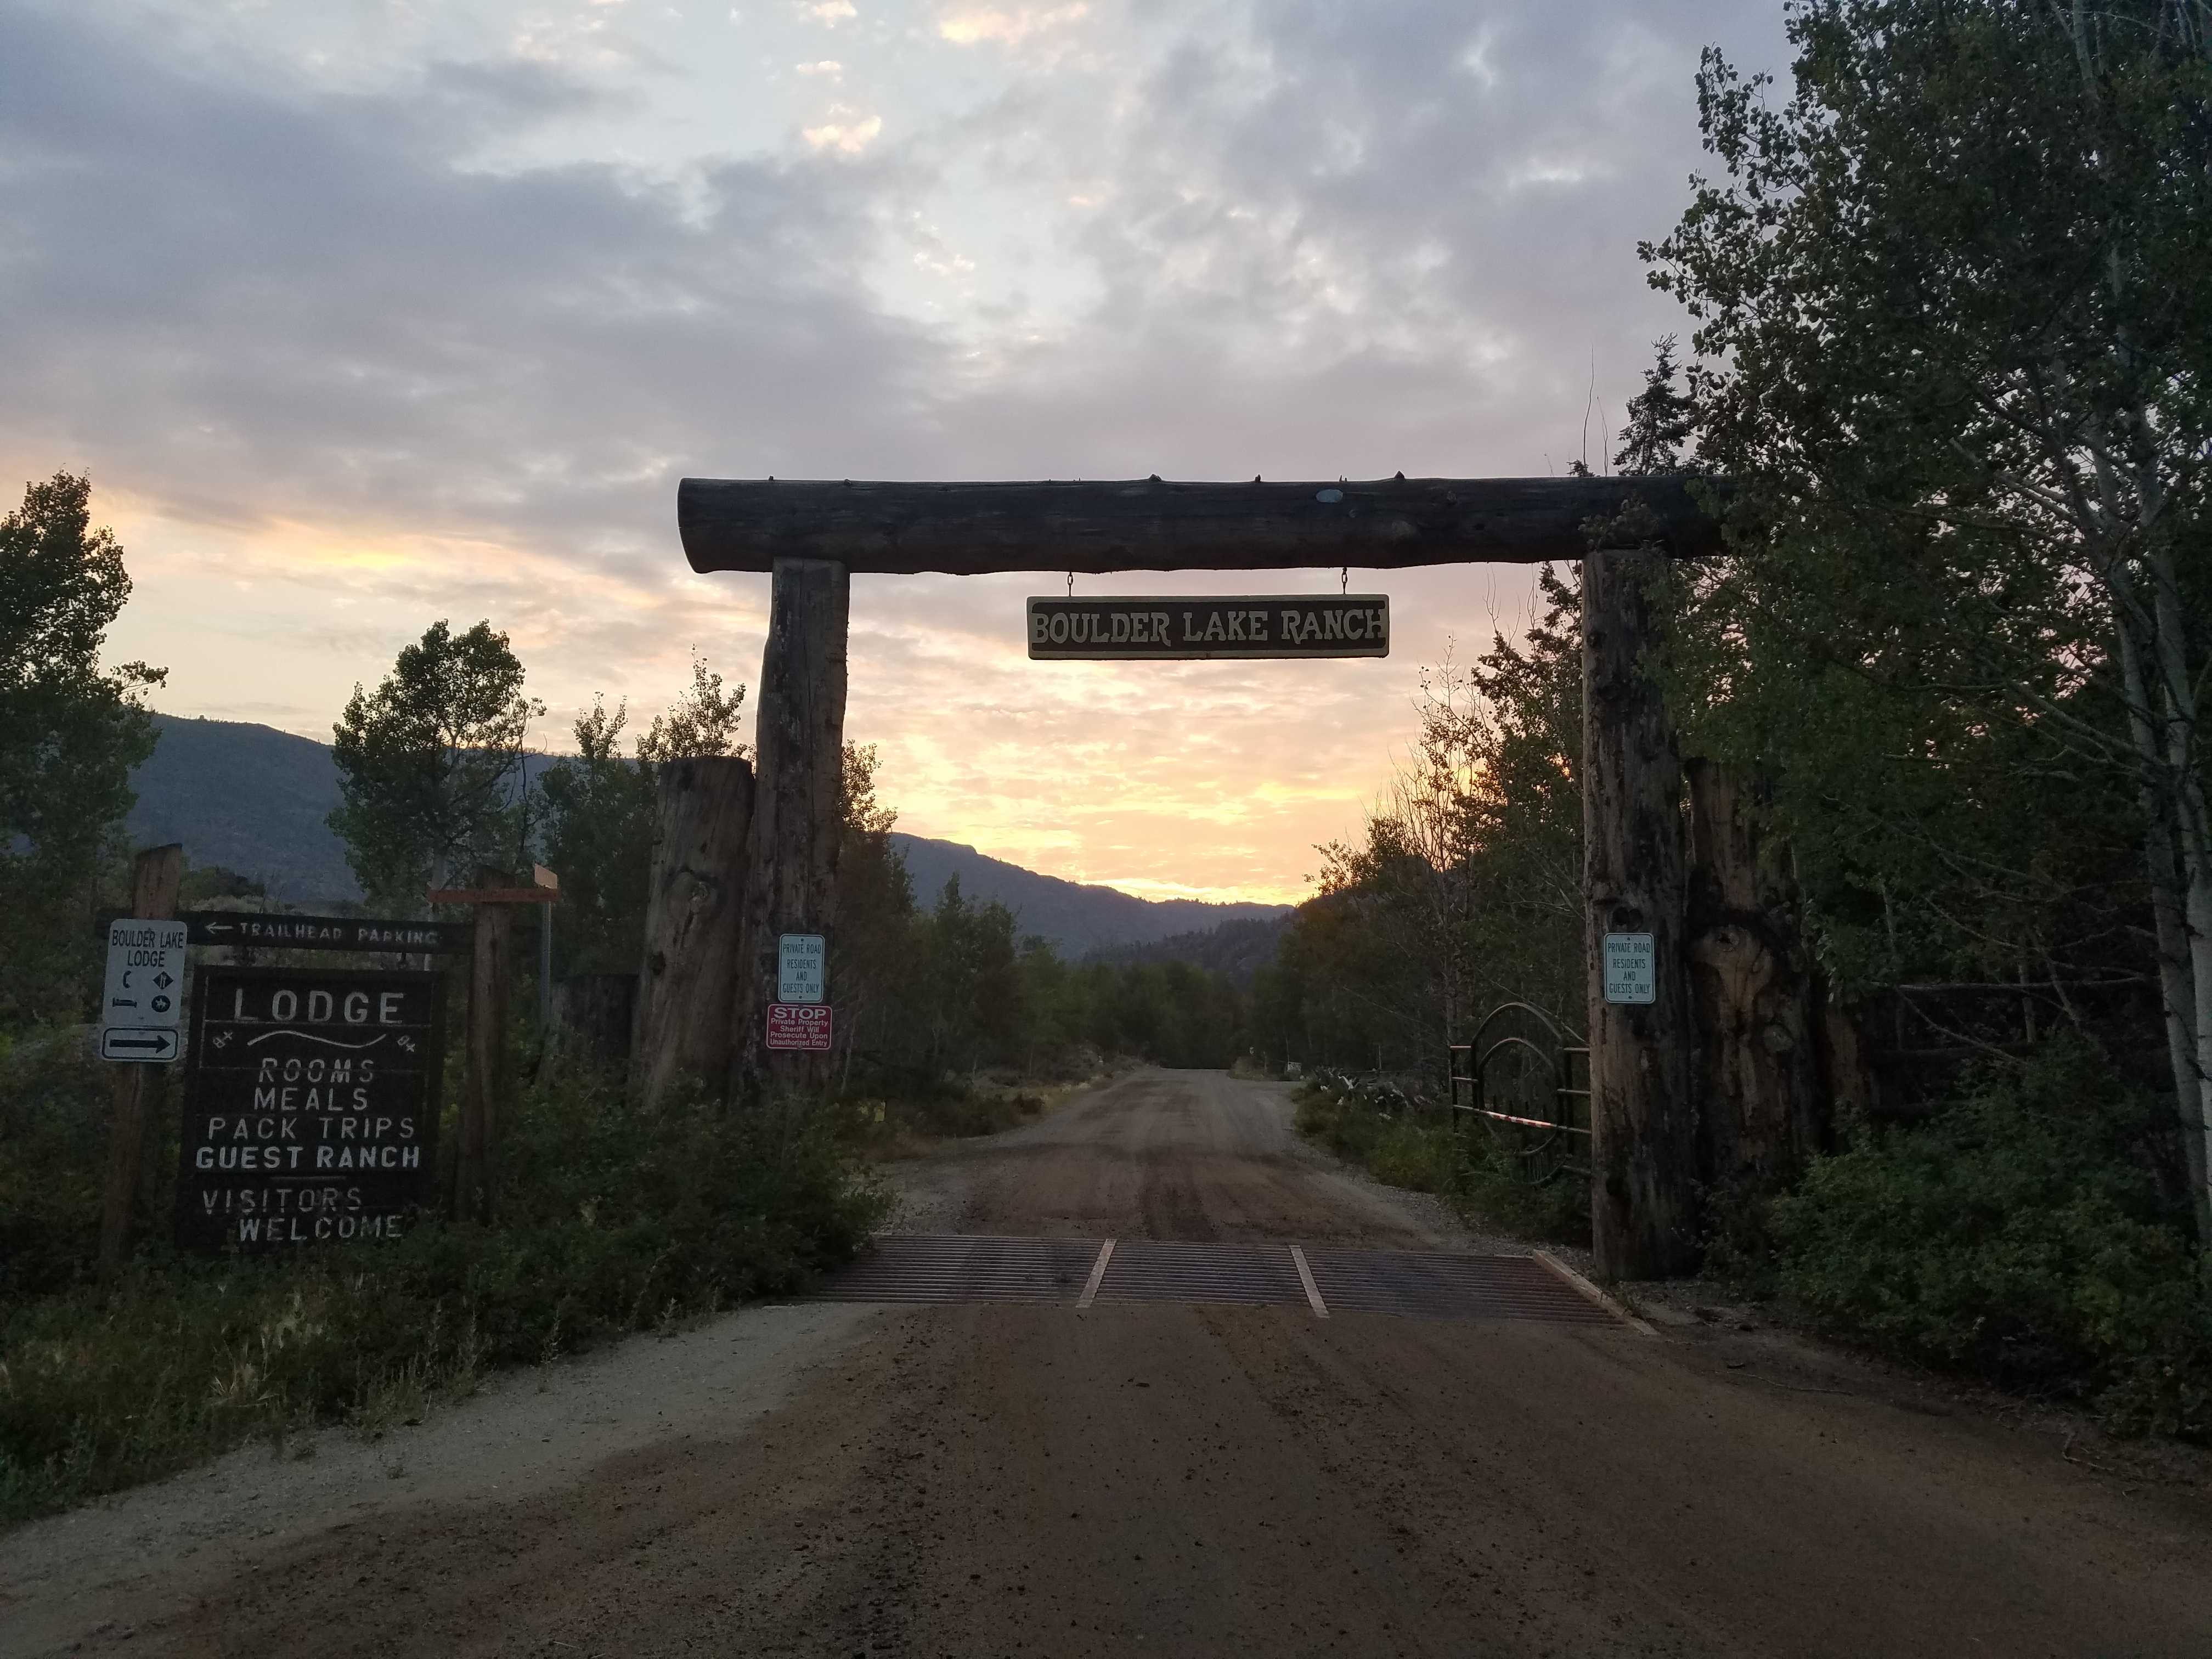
929	989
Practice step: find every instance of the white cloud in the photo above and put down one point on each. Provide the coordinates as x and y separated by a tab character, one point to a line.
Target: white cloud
336	375
848	136
965	25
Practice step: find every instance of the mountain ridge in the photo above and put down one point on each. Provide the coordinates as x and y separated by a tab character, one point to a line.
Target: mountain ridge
253	798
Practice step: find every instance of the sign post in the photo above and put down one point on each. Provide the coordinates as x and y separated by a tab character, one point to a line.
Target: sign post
312	1110
1631	973
800	1020
142	1003
801	968
155	876
491	973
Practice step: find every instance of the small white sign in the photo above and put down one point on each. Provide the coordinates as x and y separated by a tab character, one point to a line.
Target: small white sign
1631	972
142	1002
802	969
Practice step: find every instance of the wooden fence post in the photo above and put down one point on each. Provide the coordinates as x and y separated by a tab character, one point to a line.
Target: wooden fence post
484	1071
1644	1161
156	875
1753	1000
798	826
687	986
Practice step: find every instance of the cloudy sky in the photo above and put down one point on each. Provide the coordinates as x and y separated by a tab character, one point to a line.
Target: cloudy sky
365	313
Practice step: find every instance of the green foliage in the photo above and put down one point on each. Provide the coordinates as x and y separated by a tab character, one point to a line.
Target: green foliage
596	829
704	722
597	836
1950	299
952	993
429	766
1467	892
2015	1237
613	1217
70	731
53	1116
1662	421
1480	1173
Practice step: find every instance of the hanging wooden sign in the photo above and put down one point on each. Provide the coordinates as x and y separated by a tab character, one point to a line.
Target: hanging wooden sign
1260	625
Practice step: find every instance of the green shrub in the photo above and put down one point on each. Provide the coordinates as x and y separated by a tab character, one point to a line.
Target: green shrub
1477	1171
2016	1239
53	1149
957	1111
612	1217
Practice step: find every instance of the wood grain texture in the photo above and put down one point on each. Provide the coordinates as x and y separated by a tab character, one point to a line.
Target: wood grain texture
689	979
968	529
1754	999
484	1068
156	877
797	827
1643	1158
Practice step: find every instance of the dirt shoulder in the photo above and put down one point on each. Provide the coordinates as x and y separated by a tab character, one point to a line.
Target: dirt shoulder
1168	1480
144	1554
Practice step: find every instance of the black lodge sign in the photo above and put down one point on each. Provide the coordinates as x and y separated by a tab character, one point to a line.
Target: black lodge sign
1263	625
311	1107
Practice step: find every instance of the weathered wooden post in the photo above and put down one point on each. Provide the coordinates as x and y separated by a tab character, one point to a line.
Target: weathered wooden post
798	825
1644	1164
687	986
1754	1000
484	1057
157	875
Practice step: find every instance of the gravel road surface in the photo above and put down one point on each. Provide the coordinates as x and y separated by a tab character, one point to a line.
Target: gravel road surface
995	1480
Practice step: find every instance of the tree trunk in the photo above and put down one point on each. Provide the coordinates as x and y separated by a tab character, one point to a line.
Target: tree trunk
1848	1078
1761	1100
484	1068
155	876
797	829
594	1015
2184	981
688	982
1643	1163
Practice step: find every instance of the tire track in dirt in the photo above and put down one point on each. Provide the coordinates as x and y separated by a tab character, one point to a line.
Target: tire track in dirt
1175	1480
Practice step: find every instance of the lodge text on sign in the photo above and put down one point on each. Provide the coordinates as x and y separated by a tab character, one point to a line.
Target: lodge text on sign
311	1109
1266	625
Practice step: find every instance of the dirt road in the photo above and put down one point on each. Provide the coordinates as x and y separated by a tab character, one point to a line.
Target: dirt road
1176	1480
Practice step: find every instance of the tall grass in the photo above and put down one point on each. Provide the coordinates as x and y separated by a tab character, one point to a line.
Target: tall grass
1477	1171
612	1218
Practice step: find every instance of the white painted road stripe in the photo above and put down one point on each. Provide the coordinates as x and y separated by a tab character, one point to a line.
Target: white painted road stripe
1305	1277
1097	1274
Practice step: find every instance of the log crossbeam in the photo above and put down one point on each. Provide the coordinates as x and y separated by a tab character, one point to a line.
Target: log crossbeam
1145	523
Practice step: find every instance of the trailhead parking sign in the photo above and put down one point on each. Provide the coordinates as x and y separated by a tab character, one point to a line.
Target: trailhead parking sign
142	1004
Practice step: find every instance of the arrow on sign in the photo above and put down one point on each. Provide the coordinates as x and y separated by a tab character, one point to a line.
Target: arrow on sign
150	1045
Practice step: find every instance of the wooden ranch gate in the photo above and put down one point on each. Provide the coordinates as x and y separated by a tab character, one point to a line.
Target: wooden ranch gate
812	536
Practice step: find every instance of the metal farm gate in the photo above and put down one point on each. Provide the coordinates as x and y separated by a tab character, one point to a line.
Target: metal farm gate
1526	1075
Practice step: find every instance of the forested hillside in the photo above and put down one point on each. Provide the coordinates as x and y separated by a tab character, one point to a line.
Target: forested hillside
257	800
